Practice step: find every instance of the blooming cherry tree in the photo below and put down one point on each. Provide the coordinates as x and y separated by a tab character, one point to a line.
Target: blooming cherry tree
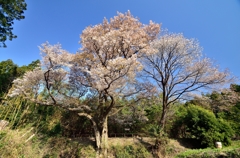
102	72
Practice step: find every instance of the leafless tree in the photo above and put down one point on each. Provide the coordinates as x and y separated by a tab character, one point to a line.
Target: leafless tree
177	66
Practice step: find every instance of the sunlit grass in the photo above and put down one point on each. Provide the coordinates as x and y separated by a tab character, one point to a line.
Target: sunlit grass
212	152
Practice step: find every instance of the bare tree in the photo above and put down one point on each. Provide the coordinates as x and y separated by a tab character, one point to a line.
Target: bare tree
177	66
91	81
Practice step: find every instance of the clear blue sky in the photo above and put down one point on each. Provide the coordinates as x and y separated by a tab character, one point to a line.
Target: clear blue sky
215	23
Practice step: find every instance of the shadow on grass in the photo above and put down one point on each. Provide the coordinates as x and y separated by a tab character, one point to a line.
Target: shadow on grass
189	143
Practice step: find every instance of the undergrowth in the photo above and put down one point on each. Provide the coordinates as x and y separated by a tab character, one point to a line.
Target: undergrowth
230	151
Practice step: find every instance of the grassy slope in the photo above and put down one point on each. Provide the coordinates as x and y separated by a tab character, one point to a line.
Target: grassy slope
25	143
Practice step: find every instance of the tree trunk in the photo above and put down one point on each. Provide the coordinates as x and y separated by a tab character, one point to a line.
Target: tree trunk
160	140
100	127
101	136
163	118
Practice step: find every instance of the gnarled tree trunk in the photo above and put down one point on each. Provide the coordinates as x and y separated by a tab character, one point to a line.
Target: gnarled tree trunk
101	136
100	127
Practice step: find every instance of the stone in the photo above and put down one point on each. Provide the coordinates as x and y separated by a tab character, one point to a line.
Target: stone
3	124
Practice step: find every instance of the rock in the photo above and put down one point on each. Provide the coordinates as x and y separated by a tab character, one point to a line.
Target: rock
218	145
3	124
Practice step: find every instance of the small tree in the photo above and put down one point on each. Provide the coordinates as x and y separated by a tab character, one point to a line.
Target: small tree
176	65
90	82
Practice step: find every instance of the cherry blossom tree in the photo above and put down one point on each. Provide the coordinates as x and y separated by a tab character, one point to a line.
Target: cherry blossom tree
218	101
92	81
177	66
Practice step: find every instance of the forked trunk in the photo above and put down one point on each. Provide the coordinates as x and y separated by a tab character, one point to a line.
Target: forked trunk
101	137
101	133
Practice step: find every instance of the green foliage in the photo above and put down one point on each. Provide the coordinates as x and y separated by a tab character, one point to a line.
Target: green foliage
130	151
231	113
10	10
153	111
13	110
225	105
235	88
132	117
194	122
21	113
21	70
2	134
232	116
10	71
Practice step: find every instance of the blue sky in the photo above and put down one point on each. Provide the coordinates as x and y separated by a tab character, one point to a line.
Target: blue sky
214	23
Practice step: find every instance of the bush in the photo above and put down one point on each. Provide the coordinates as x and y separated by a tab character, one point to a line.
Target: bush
200	125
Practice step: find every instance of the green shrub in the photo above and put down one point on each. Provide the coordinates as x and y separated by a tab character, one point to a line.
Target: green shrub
232	116
200	125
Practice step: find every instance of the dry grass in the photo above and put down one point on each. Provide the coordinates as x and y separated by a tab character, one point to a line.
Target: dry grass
16	143
130	141
25	143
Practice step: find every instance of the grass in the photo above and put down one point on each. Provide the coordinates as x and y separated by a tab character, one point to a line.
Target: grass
15	143
26	143
230	151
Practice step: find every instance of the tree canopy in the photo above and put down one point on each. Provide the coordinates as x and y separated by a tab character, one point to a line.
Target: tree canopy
10	10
